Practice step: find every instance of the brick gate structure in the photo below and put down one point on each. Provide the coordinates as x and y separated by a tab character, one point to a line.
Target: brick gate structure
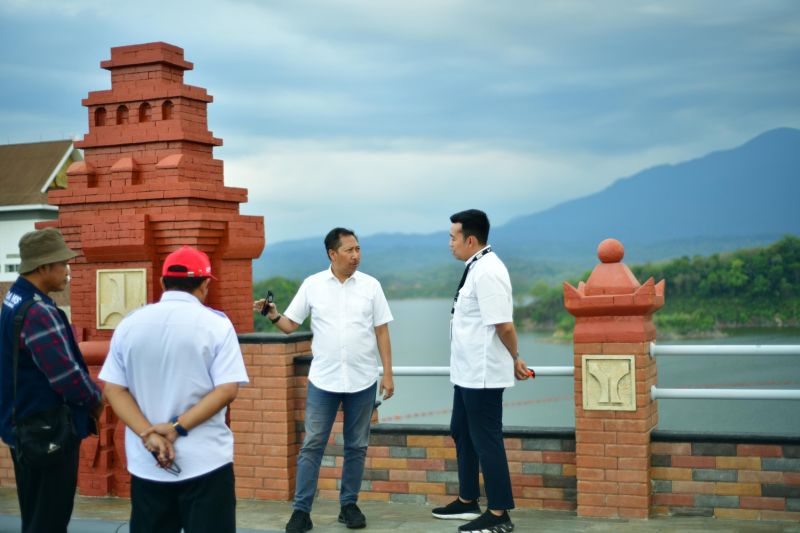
148	184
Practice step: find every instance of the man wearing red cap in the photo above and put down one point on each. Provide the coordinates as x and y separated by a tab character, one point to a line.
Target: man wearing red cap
172	368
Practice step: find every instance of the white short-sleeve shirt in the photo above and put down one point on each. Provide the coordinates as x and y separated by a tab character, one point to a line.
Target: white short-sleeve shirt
169	355
343	320
478	358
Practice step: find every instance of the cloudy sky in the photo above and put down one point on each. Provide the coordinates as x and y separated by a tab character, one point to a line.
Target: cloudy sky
390	115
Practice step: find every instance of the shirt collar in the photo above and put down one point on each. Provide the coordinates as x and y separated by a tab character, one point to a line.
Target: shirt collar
476	253
179	296
27	285
333	277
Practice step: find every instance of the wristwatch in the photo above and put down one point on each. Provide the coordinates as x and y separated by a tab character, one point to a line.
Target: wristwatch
275	320
182	431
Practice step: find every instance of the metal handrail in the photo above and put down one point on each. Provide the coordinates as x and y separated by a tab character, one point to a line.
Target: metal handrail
724	349
724	394
445	370
657	393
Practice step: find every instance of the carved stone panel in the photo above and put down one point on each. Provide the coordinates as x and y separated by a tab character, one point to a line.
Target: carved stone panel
118	293
609	383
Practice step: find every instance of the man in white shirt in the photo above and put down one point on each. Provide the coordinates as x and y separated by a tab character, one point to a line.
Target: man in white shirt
171	370
350	322
483	361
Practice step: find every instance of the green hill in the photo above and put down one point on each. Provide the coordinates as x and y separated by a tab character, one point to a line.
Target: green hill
753	288
757	287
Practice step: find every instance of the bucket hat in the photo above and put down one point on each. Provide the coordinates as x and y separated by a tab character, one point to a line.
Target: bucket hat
42	247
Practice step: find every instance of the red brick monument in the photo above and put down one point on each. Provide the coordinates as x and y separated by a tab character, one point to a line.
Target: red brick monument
149	184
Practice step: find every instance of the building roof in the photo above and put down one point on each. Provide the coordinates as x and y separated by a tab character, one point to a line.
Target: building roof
26	170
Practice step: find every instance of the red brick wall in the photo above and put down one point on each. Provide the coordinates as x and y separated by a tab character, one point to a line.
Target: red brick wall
6	468
417	464
264	416
727	478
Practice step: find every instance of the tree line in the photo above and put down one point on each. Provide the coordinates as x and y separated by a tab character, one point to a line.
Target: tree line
757	287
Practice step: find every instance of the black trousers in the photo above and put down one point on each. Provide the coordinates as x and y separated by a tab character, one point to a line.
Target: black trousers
205	503
46	495
477	428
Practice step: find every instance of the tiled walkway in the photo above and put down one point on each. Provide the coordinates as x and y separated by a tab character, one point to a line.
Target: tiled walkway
109	515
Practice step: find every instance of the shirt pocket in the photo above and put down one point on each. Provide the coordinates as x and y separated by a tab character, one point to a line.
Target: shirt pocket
468	302
359	309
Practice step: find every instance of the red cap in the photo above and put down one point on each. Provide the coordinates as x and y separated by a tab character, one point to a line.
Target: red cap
195	263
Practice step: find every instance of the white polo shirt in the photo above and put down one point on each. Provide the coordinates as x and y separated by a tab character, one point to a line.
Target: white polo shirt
169	355
343	320
478	358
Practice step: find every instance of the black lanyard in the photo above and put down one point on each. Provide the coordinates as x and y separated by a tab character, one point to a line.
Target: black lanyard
480	254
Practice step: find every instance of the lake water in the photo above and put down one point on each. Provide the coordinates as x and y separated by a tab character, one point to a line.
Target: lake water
420	338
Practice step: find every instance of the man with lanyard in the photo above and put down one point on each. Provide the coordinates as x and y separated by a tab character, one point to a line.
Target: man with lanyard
171	370
350	321
483	361
51	371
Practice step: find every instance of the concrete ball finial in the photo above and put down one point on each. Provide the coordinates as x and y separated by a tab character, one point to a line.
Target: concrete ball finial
610	251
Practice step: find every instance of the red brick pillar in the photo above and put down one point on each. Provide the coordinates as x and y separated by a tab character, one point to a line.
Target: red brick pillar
614	414
148	184
266	414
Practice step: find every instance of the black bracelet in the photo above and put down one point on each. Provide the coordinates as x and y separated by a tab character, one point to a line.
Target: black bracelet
275	320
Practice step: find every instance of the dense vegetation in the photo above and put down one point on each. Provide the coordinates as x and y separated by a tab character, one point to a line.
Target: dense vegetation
757	287
749	288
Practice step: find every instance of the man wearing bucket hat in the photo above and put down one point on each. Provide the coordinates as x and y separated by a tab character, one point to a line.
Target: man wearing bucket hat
50	372
171	370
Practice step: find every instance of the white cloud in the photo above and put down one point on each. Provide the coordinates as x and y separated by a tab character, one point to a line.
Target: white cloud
303	187
292	103
388	114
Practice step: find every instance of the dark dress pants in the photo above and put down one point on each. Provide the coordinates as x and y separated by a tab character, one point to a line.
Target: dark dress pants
203	504
46	495
477	428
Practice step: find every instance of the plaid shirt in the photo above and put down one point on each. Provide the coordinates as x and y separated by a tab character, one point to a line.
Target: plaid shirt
45	336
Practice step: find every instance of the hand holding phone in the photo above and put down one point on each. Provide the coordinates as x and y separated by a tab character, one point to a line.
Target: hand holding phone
267	301
171	467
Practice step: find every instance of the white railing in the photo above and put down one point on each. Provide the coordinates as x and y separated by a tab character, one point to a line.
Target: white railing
724	394
657	393
445	370
722	349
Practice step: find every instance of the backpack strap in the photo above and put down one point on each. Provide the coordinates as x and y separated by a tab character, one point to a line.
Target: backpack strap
19	318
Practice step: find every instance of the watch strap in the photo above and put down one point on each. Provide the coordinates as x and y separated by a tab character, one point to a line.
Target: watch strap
182	431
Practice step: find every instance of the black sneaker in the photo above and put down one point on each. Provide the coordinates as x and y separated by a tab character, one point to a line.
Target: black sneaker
458	510
300	522
352	517
489	523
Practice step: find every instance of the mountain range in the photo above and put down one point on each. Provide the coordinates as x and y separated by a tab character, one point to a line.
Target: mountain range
742	197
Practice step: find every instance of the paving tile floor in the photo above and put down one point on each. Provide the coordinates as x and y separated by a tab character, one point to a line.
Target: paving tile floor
110	515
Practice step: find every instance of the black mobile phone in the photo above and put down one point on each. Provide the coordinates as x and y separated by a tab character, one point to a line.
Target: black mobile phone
267	301
172	468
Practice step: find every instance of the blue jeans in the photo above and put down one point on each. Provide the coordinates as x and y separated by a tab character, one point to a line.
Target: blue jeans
477	428
321	409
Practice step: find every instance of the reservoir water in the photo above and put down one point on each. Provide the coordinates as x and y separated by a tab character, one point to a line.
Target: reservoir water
420	338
